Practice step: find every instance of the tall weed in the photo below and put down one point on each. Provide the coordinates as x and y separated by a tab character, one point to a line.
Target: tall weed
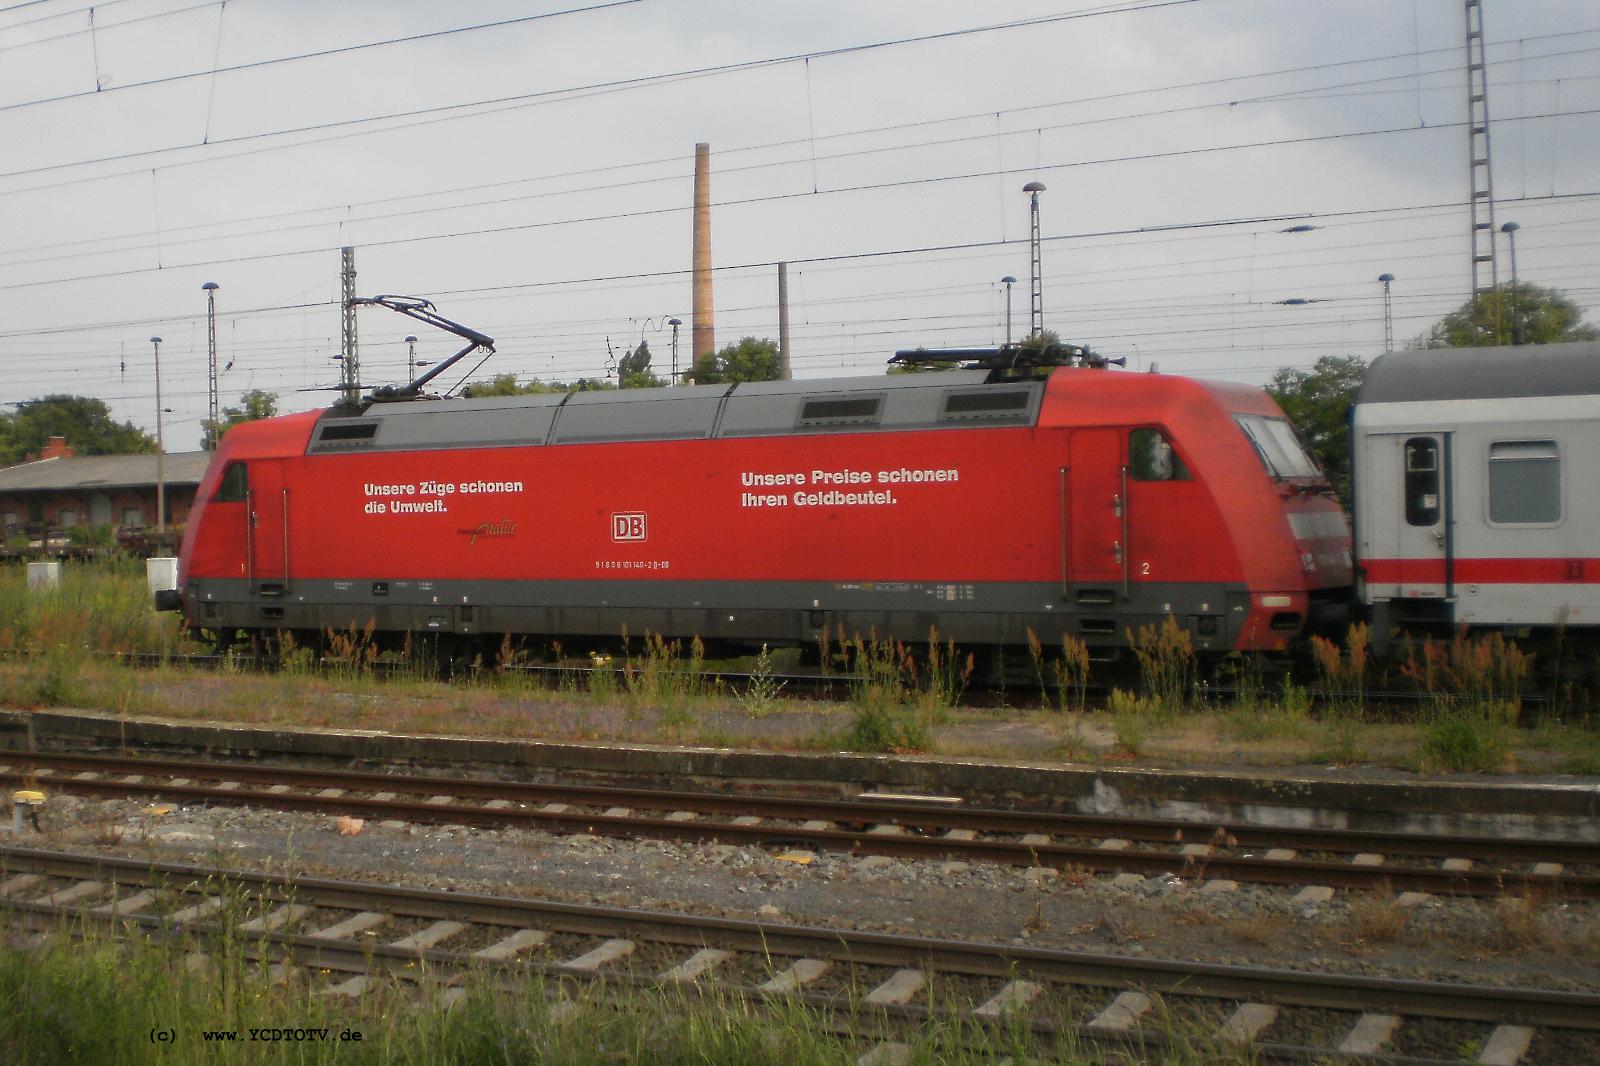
1165	654
886	714
1343	677
1473	699
1067	686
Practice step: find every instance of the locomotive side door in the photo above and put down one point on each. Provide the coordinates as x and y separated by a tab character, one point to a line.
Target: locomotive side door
1097	505
267	550
1408	536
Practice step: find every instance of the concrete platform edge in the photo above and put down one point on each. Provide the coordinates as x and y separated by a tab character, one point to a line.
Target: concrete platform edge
1064	784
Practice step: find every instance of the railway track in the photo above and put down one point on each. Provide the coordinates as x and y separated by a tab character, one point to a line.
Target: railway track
925	827
872	987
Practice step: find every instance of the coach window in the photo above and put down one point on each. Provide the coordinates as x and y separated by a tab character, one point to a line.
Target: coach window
1524	482
1422	481
235	484
1151	458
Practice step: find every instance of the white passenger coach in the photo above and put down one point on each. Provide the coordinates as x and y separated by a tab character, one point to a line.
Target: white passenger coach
1475	488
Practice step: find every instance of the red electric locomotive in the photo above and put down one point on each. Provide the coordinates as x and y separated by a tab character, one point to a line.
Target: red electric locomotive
982	502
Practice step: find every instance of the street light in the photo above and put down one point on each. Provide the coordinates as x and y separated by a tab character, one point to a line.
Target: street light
1388	321
161	467
1008	281
1036	309
411	359
1510	230
212	406
674	323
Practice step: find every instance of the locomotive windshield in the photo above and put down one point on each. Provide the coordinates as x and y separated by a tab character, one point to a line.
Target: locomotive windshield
1276	444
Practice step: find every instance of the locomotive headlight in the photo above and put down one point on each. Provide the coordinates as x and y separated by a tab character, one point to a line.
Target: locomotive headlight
1308	562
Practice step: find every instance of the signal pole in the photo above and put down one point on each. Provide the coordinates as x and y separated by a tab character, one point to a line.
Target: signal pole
1036	320
350	377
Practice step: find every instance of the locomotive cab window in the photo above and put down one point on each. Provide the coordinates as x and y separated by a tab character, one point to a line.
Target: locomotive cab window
1422	481
1151	457
1524	482
1277	446
235	484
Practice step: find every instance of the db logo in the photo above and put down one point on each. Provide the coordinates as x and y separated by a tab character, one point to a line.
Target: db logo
628	525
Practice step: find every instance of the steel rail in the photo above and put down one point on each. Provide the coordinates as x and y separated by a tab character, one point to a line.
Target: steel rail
853	1022
853	837
930	814
1544	1007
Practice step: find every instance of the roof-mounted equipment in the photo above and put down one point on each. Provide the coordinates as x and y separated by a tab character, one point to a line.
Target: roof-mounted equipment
424	311
1008	360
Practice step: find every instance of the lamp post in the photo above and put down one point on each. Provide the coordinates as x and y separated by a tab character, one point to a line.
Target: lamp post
1388	320
675	323
1510	230
1036	310
411	359
161	468
1008	281
213	405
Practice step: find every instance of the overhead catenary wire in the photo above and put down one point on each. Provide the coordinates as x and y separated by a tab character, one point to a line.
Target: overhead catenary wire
775	197
677	176
451	112
843	257
1109	279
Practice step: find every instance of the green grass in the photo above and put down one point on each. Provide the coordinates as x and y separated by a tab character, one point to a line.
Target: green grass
101	606
84	998
54	648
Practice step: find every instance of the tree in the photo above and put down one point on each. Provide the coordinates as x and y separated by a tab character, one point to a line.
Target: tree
508	385
1317	401
86	424
253	406
1536	316
633	369
750	359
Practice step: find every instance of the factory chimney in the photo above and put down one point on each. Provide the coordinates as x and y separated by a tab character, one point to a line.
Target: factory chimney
705	344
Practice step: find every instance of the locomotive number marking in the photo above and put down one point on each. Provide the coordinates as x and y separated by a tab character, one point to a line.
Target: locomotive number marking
1144	568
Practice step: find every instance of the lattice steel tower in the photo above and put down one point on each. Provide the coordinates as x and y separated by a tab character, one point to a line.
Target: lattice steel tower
1482	178
213	406
1036	321
350	378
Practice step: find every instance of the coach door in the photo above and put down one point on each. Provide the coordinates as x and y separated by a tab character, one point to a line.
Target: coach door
268	532
1408	542
1097	507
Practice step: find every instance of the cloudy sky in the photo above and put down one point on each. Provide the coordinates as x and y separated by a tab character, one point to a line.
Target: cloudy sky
528	167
